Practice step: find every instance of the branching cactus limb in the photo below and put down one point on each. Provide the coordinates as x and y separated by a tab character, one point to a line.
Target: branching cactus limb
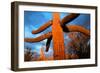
43	27
69	18
77	28
38	39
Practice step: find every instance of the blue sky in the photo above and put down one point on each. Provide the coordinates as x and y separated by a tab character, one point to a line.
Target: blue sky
33	20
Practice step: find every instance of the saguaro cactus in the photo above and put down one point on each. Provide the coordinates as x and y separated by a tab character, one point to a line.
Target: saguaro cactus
42	55
58	27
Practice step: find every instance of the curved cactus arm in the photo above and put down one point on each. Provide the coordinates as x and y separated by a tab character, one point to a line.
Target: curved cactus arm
42	28
48	43
68	18
38	39
77	28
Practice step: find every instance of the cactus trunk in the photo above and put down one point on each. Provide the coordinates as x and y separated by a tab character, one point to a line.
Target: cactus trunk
58	38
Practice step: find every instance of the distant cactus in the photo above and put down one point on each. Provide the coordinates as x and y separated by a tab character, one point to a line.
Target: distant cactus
42	55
